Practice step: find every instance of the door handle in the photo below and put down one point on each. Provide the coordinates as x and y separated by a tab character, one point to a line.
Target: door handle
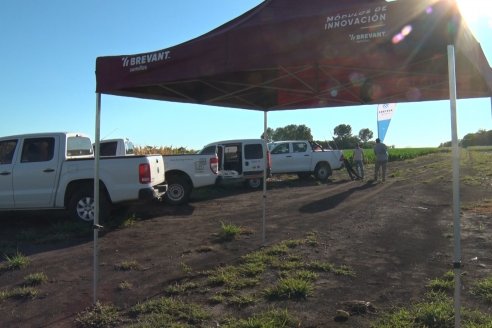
48	170
288	156
307	155
5	173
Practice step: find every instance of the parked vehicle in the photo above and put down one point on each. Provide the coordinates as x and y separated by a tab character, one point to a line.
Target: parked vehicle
116	147
240	160
184	173
56	171
304	158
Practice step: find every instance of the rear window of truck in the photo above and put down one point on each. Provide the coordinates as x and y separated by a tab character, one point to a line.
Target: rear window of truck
78	146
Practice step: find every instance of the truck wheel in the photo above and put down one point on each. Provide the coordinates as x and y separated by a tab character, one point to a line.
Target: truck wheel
178	190
254	183
322	172
81	205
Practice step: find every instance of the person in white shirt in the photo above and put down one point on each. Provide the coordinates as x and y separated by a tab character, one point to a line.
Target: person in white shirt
358	156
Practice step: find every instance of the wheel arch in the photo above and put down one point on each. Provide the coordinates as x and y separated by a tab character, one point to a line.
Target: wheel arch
322	163
84	183
181	174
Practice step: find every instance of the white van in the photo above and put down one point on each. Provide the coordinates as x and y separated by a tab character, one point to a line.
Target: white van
240	160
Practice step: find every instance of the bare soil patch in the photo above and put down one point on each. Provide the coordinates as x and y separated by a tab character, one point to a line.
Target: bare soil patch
395	236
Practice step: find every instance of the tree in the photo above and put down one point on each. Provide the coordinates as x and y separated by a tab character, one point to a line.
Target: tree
365	135
479	138
343	131
290	132
344	138
269	133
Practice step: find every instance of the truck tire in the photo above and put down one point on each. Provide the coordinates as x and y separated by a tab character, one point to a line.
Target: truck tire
178	190
322	171
81	205
254	183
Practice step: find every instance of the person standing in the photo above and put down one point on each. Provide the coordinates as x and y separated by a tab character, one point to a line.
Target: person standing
358	156
381	153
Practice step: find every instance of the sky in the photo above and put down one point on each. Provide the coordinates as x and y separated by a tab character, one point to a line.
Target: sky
47	81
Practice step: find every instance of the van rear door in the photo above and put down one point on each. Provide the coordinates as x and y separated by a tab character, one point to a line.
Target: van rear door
220	154
254	161
232	159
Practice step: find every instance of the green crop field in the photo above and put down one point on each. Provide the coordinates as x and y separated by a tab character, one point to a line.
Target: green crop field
397	154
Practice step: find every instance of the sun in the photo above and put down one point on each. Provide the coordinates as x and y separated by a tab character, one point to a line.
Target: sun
474	10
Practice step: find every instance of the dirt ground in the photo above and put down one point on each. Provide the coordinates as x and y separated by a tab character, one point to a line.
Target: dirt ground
395	236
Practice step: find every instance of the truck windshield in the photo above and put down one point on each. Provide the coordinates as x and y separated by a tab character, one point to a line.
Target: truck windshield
79	146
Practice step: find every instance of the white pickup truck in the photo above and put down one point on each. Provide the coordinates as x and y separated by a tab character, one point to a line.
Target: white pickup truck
184	172
56	171
304	158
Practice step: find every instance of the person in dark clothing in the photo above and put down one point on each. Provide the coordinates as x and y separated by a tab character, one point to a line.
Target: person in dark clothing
381	153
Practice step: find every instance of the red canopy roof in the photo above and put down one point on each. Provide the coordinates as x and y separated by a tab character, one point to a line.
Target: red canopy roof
289	54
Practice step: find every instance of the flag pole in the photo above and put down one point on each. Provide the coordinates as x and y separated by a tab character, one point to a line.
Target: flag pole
377	118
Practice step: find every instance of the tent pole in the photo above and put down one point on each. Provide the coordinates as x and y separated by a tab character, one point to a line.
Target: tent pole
263	238
456	188
96	196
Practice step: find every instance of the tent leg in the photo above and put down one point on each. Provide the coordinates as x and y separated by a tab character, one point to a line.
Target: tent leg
456	188
96	197
263	237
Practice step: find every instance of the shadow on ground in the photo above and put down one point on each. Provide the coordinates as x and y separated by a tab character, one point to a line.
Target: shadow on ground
333	201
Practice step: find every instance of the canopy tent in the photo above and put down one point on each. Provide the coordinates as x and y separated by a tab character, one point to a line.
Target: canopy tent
290	54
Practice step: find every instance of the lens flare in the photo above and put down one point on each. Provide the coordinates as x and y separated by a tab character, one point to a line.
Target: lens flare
397	38
405	31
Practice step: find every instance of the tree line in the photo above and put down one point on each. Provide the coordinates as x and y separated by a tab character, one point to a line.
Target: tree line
479	138
342	136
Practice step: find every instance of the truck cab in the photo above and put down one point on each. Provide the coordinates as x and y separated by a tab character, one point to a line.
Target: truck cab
304	158
31	165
